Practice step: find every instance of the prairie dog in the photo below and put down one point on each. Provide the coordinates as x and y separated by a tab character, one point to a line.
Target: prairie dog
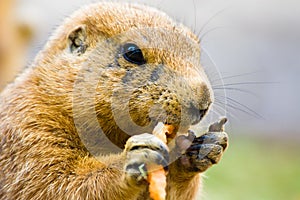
120	56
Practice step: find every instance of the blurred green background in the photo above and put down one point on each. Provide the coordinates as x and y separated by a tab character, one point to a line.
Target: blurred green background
255	169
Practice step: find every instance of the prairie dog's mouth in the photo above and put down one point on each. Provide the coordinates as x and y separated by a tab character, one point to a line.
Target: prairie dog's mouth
165	132
176	126
197	116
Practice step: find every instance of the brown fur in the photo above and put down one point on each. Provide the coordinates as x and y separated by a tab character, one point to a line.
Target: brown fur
41	154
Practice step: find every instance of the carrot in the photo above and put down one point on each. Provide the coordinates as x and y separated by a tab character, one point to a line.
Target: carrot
161	131
157	176
157	182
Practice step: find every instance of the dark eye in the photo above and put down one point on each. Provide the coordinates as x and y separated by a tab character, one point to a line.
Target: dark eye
133	54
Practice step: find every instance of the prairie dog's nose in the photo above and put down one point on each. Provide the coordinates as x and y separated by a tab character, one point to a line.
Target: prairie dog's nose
199	102
196	114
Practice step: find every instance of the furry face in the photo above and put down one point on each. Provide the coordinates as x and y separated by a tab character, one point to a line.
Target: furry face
111	68
137	88
169	84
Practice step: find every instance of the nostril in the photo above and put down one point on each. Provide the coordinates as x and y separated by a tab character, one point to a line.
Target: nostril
203	112
196	113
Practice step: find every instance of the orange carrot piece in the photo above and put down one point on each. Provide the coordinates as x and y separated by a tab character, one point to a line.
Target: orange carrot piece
157	183
157	175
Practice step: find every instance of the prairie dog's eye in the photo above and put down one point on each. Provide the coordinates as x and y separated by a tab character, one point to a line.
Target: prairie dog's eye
132	53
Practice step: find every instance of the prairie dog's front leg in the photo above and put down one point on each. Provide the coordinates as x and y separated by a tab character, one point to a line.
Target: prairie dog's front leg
196	155
113	177
142	150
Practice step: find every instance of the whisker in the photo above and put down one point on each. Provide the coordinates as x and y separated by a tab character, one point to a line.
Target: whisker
250	112
212	30
244	106
238	90
221	105
242	110
210	19
221	102
246	83
235	76
212	73
228	114
216	112
215	72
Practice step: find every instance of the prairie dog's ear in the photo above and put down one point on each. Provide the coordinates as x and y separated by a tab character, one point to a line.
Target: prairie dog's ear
77	43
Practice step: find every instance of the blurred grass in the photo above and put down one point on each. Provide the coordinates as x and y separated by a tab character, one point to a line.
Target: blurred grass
255	170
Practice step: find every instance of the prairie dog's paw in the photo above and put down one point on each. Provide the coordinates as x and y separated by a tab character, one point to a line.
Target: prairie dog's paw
142	150
203	151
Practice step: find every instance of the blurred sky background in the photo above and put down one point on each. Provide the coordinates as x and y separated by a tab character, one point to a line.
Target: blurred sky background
254	45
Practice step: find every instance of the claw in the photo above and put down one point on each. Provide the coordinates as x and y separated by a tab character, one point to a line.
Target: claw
200	153
218	126
142	169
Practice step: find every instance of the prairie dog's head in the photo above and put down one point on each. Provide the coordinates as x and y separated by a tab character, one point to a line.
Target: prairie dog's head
132	65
